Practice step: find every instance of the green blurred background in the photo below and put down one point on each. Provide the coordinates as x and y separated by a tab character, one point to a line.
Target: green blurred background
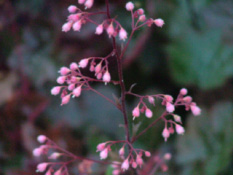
193	50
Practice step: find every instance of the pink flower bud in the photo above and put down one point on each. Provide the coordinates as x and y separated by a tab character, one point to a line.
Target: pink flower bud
61	79
73	66
139	160
148	113
110	30
42	167
89	3
72	8
147	154
56	90
125	165
166	134
83	63
58	172
64	71
49	172
116	172
183	91
171	130
66	27
167	156
195	110
179	129
65	99
99	29
98	68
159	22
170	107
41	138
123	34
142	18
81	1
168	98
99	76
37	152
55	156
107	77
134	165
104	154
151	100
177	118
122	152
187	99
136	112
74	17
77	91
140	11
71	87
101	147
129	6
92	68
77	25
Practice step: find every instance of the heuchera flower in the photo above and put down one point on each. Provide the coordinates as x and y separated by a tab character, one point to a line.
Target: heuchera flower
125	165
195	110
41	138
42	167
159	22
104	154
148	113
136	112
123	34
99	29
101	147
165	134
106	77
179	129
56	90
129	6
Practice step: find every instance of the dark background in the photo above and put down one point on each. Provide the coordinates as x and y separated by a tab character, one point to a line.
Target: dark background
194	50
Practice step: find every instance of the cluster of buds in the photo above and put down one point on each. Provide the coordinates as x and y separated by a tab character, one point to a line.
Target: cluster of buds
72	81
50	167
141	17
134	159
113	28
87	3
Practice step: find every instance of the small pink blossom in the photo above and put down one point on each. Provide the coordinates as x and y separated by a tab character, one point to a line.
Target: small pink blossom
142	18
77	25
168	98
136	112
89	3
37	152
92	68
170	107
134	165
148	113
49	172
179	129
122	151
147	154
106	77
165	134
58	172
81	1
71	87
116	172
54	156
83	63
61	79
140	11
183	91
159	22
56	90
41	139
73	66
42	167
123	34
72	8
65	99
104	154
187	99
171	130
98	68
129	6
151	100
139	160
74	17
167	156
101	147
99	29
77	91
195	110
177	118
66	27
110	30
64	71
99	76
125	165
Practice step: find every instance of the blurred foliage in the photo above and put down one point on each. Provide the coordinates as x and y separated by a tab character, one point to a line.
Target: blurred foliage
206	148
194	49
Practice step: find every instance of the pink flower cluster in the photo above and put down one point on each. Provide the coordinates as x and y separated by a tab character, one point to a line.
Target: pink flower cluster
134	159
72	81
50	167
